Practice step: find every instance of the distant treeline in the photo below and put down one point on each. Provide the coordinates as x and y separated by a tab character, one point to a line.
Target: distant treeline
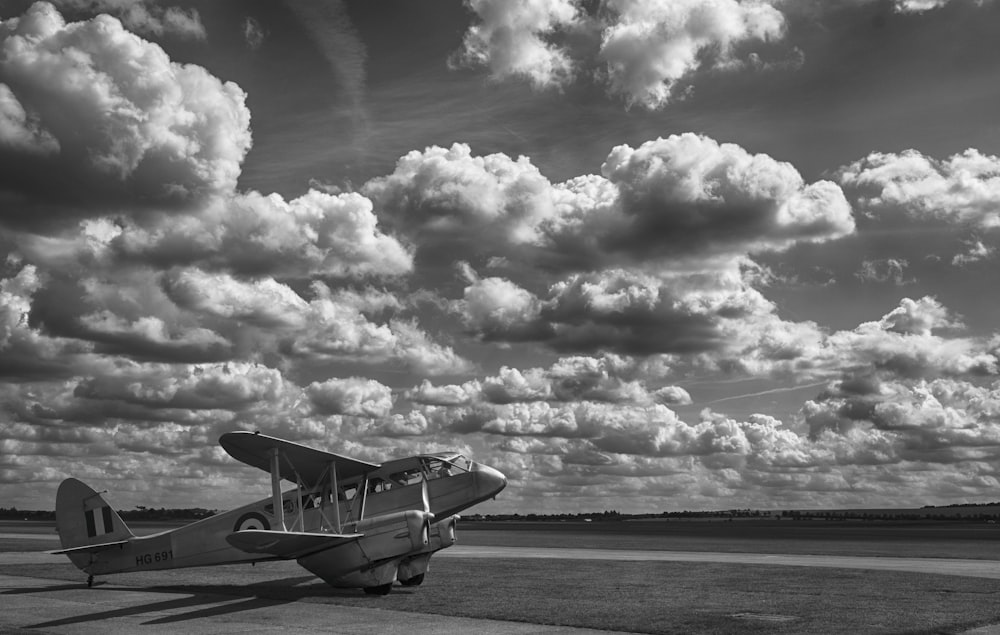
996	504
139	513
612	515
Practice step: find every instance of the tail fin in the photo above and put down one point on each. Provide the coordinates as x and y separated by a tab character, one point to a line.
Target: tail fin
84	518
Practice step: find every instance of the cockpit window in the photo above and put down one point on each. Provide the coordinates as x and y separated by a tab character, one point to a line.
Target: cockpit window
445	465
462	463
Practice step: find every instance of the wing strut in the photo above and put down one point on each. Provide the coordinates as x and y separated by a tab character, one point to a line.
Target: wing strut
279	507
334	490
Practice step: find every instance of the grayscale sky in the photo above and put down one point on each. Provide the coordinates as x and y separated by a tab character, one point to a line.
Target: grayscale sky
641	255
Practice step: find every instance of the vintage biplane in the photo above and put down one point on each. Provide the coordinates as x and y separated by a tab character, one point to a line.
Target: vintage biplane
352	523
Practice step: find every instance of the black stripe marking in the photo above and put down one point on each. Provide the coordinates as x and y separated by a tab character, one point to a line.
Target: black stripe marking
108	524
91	527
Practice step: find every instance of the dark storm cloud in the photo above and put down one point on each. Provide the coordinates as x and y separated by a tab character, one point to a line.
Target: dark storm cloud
85	311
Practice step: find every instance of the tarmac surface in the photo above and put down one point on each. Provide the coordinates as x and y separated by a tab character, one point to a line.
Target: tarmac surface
37	605
944	566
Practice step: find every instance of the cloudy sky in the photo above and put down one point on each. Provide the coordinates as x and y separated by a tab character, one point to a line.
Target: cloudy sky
636	254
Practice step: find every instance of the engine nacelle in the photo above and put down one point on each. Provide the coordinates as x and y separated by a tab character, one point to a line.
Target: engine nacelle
372	559
444	534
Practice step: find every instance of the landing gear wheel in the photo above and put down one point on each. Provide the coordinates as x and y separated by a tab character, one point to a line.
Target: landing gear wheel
90	581
414	581
382	589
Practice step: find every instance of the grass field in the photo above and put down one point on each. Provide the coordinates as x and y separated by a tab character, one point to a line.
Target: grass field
652	597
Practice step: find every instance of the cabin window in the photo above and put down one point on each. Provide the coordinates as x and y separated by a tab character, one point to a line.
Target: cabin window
311	501
287	504
377	485
407	477
348	492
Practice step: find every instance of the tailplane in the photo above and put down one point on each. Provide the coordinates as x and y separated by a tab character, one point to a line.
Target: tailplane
84	519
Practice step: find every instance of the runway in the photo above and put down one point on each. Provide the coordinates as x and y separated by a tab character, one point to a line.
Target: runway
45	605
942	566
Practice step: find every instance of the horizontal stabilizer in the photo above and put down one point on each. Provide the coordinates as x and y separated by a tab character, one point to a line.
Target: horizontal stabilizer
90	548
286	544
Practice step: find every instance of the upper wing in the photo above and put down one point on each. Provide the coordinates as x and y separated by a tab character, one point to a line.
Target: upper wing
256	450
286	544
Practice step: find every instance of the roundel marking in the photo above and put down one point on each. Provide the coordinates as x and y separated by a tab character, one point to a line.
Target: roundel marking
251	520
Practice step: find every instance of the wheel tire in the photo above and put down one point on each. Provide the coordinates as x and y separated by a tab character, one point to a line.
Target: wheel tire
414	581
382	589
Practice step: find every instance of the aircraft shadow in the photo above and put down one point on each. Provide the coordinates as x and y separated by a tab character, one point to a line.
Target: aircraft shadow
168	605
254	596
42	589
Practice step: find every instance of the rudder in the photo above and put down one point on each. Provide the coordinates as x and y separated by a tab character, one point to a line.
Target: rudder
84	518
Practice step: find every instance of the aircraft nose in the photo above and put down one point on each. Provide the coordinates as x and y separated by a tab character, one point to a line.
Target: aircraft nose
489	480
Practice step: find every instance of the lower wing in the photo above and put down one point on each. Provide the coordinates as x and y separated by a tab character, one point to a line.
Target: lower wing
286	544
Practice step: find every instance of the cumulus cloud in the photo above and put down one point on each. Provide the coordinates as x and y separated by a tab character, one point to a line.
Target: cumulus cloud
716	314
445	196
607	379
265	303
499	309
247	234
920	6
145	16
917	317
316	233
175	137
683	197
906	343
337	328
25	350
143	336
884	270
718	196
450	395
639	49
976	251
649	46
19	131
717	321
351	396
124	313
944	420
230	386
962	189
514	39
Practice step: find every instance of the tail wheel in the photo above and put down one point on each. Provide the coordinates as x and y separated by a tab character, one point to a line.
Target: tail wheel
414	581
382	589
